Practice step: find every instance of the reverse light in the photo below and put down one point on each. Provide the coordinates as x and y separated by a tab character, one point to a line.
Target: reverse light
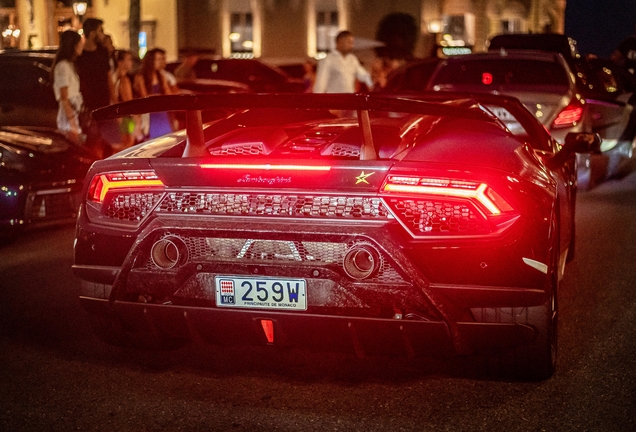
570	115
103	183
490	200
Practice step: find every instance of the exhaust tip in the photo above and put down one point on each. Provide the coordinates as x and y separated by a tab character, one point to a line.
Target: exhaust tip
362	261
168	252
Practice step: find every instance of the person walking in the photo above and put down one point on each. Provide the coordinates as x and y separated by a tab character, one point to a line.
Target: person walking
93	66
338	72
94	70
66	85
150	81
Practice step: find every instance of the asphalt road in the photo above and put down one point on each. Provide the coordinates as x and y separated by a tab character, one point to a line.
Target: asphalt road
56	376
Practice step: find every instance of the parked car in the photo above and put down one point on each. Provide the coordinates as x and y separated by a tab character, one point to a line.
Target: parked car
412	77
598	80
261	78
550	42
412	228
41	175
547	86
26	92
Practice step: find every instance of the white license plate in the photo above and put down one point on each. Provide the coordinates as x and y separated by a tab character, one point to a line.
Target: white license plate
261	292
502	113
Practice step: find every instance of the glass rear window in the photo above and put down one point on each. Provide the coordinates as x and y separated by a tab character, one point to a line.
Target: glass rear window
502	73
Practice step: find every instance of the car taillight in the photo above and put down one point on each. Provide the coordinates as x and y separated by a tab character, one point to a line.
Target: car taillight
123	197
103	183
436	206
570	115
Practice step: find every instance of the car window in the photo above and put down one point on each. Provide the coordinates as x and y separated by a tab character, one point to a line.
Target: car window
21	78
502	73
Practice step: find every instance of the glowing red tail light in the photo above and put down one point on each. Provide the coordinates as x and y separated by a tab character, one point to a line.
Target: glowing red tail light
103	183
489	199
431	207
570	115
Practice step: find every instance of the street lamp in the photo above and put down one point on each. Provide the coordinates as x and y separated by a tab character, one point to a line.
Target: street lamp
79	9
435	27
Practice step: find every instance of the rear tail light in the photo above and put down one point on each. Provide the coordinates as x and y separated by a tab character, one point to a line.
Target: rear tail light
437	206
124	197
103	183
570	115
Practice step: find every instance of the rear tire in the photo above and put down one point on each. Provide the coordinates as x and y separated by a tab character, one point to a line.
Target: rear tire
536	360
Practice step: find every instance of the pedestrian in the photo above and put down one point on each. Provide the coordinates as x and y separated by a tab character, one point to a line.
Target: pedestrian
160	54
93	66
110	48
94	70
338	72
150	81
129	126
66	85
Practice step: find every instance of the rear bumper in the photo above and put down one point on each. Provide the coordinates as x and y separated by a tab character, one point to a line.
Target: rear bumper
360	336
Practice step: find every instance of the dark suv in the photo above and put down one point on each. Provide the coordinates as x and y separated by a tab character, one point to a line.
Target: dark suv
260	77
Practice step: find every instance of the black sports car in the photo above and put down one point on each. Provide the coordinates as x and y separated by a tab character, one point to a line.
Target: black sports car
41	175
359	222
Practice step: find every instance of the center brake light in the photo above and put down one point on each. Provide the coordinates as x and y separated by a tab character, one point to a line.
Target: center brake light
493	203
103	183
273	167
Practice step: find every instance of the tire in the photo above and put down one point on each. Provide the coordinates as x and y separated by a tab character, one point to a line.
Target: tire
536	360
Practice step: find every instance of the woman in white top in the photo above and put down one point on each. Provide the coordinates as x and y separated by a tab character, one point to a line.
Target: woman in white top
66	85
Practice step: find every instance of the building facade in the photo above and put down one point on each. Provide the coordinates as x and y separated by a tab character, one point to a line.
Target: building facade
281	29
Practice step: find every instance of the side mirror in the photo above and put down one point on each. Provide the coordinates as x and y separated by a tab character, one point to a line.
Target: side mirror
582	142
575	142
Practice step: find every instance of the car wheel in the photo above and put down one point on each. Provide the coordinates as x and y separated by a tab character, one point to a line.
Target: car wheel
536	360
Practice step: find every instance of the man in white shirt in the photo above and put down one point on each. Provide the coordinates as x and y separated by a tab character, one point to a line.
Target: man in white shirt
337	73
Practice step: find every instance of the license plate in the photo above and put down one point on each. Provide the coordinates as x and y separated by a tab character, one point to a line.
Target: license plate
261	292
502	114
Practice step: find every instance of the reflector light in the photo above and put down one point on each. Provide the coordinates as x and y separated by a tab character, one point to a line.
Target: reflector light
486	78
570	115
268	167
487	197
101	184
268	329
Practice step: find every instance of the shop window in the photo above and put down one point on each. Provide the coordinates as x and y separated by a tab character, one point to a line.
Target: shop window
241	34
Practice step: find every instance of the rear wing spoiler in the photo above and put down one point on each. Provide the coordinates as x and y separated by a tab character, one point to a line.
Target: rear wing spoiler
194	104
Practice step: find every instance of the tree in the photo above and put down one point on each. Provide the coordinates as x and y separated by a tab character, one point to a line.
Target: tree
399	33
134	24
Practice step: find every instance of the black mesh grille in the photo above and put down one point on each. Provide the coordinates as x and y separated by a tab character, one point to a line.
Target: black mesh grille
131	206
201	249
238	150
437	217
341	207
345	151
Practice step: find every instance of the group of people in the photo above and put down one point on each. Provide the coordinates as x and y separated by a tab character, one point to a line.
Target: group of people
88	73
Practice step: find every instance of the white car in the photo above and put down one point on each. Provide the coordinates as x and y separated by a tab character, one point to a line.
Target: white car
563	100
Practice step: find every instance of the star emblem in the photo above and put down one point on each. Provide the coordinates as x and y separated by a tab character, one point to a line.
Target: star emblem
362	178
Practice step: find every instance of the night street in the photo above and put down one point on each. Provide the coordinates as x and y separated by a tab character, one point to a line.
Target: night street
55	375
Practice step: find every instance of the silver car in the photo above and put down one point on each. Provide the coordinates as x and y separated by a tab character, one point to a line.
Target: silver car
563	100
